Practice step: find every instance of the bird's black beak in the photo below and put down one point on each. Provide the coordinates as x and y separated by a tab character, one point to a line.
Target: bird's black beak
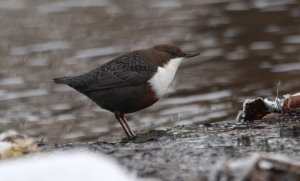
189	55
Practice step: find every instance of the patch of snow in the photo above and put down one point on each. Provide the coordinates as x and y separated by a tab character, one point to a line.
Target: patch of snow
64	166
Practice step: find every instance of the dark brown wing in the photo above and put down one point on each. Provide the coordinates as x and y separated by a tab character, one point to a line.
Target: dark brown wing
127	70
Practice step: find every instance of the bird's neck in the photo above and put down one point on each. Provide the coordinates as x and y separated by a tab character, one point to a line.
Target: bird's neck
173	64
162	79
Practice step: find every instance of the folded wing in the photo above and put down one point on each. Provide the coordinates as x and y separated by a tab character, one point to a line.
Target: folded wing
123	71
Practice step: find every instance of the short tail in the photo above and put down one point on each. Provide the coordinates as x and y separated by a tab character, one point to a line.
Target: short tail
61	80
74	82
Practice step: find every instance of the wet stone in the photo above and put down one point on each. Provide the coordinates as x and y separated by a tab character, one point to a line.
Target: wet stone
290	131
190	152
149	136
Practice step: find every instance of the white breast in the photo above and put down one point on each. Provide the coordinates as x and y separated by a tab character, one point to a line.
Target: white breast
162	79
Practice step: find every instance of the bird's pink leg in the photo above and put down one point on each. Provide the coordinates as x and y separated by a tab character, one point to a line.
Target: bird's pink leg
132	134
119	118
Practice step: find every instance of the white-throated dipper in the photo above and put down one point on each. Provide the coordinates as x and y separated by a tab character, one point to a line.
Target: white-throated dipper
131	82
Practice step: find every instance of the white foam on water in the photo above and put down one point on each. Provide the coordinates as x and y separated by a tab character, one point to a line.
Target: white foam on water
191	109
197	98
286	67
267	4
66	117
12	4
237	6
261	45
67	5
97	52
60	107
40	47
11	81
24	94
164	4
291	39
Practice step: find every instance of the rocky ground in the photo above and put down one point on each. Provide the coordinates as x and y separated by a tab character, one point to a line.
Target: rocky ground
194	152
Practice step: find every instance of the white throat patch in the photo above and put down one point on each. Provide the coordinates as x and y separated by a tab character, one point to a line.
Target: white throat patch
162	79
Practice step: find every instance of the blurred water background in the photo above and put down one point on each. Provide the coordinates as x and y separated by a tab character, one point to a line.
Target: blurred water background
246	47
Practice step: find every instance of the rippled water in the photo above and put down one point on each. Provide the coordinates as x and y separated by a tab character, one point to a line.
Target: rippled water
246	49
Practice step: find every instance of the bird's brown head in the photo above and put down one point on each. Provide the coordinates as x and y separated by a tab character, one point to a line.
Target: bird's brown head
174	51
163	53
